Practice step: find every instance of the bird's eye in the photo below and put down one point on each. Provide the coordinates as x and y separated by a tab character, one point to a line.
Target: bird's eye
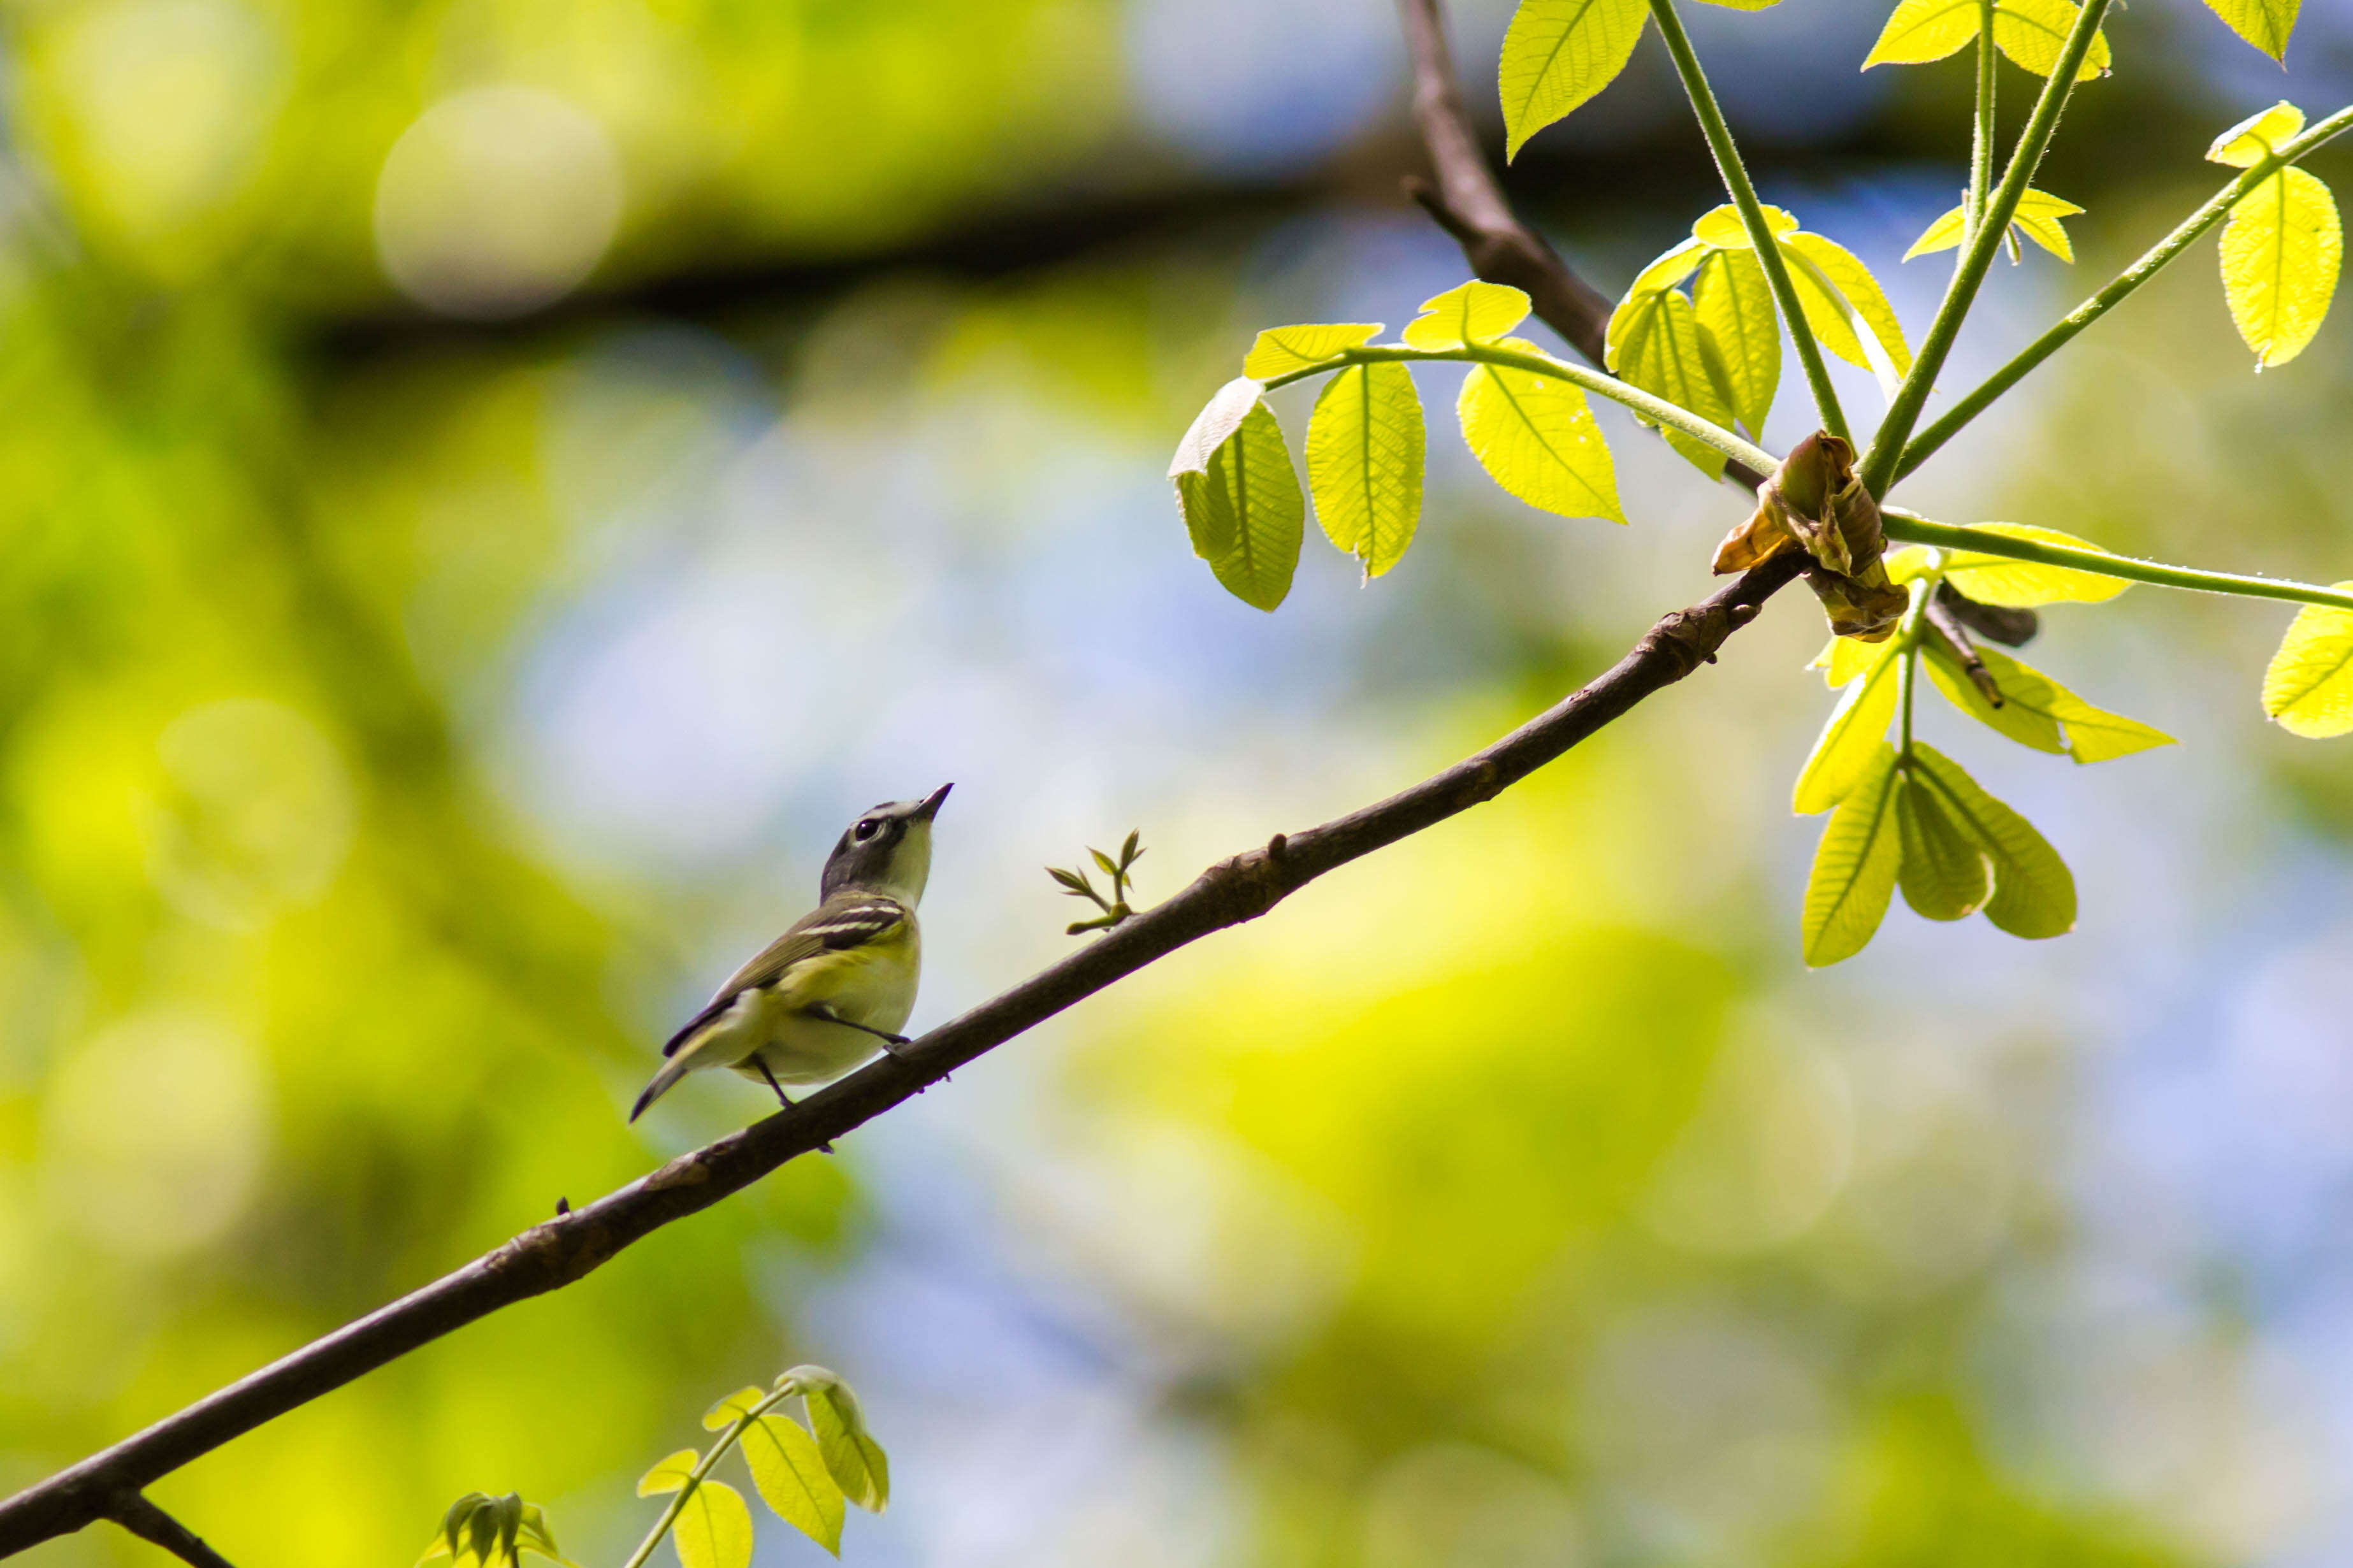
865	830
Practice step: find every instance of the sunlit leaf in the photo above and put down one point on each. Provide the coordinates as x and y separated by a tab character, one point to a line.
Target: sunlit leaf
1735	305
714	1528
1239	496
1842	753
1843	659
732	1408
2309	686
1664	350
2281	251
1473	312
1846	308
668	1474
1282	350
2023	584
2092	734
1668	271
1943	874
2253	138
2037	218
1721	226
2031	32
2033	891
1365	454
2265	24
2024	715
855	1459
1538	439
792	1478
1854	866
1559	53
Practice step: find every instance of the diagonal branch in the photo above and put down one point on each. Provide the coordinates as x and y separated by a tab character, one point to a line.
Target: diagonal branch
1467	204
566	1248
132	1511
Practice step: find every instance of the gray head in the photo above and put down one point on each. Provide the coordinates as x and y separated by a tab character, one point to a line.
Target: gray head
887	850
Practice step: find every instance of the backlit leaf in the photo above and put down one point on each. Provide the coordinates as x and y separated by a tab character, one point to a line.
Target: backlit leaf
2024	715
1843	659
1473	313
2092	734
856	1460
1538	439
2253	138
1365	454
2281	251
2265	24
1282	350
714	1528
1735	305
1854	866
2030	32
732	1408
1240	496
1846	307
668	1474
2023	584
2309	686
2037	218
1667	273
2033	891
1721	226
1943	874
792	1478
1842	753
1559	52
1664	350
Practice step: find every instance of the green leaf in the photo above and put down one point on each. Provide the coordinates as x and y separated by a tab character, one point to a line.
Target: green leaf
1240	496
1670	269
1364	455
1665	349
714	1528
536	1537
2281	251
792	1478
668	1474
2033	891
2309	686
2253	140
1473	312
2023	584
1721	226
1538	439
1846	308
2265	24
1944	875
1557	54
1854	867
2037	218
1282	350
1843	659
2033	703
1735	305
732	1408
2028	31
1843	752
856	1460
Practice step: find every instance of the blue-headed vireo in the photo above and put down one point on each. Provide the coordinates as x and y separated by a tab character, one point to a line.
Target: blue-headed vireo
839	983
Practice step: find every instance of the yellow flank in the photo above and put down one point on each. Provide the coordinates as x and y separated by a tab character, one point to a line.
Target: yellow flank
873	984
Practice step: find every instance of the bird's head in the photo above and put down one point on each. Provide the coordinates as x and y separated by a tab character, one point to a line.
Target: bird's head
887	850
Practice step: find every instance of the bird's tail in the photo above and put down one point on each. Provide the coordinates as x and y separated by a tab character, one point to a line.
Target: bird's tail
677	1067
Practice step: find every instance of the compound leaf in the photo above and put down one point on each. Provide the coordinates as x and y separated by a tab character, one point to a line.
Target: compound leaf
2037	218
1364	455
1538	440
2309	687
1559	53
1854	867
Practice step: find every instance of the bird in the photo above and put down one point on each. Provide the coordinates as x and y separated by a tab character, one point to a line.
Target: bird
839	984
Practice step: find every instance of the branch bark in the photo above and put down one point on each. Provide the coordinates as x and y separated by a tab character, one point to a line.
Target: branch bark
549	1255
141	1517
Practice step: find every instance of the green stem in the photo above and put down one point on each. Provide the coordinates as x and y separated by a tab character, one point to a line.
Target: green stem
1752	215
1657	410
1903	409
1907	673
2107	299
1981	144
1912	529
718	1451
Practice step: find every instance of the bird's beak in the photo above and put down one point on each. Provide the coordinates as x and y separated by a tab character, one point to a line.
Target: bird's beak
931	806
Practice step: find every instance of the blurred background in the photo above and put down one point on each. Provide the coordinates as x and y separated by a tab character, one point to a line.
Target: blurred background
489	489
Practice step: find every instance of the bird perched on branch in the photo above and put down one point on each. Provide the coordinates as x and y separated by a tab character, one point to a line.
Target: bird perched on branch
839	983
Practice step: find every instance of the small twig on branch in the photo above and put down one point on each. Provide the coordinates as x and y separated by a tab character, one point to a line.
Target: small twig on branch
568	1248
1467	204
135	1513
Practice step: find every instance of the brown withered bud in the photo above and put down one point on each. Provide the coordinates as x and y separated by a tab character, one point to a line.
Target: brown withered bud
1995	623
1815	500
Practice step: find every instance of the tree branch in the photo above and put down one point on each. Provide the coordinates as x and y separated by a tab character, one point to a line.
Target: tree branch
568	1248
1467	204
135	1513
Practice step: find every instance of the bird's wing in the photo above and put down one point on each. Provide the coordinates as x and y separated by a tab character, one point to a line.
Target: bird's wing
848	919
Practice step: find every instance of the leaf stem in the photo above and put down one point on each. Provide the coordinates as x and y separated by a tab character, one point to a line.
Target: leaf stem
1914	529
1655	409
1878	465
1752	215
1907	673
702	1468
1981	144
2107	299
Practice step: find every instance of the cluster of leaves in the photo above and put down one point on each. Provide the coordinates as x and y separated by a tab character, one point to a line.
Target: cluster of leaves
2283	244
1114	906
807	1474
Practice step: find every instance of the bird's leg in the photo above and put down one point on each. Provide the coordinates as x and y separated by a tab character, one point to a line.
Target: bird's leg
890	1040
782	1097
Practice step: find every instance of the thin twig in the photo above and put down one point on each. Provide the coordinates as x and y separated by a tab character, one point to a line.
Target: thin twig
562	1250
133	1511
